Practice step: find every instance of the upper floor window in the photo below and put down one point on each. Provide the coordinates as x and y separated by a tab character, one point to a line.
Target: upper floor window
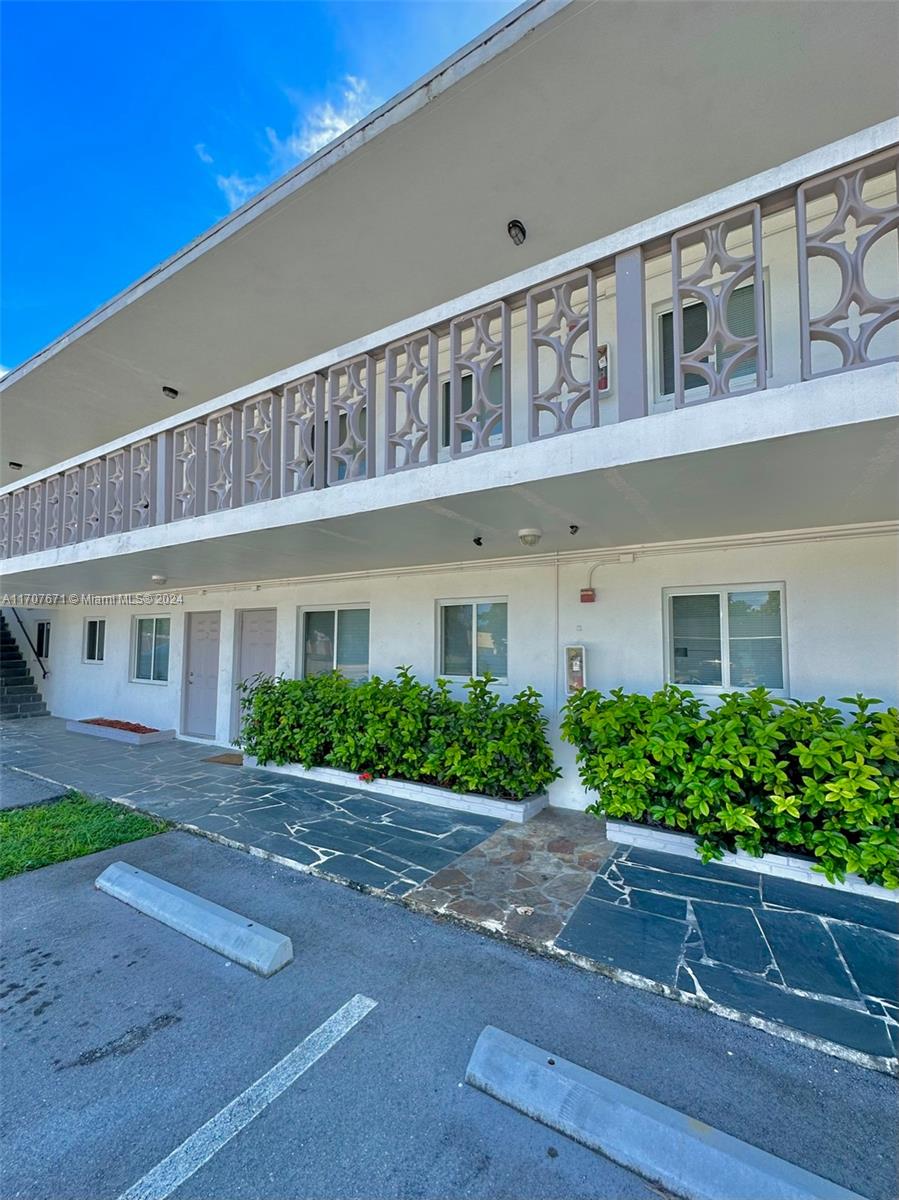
152	636
728	637
335	639
494	394
94	646
740	318
474	638
42	639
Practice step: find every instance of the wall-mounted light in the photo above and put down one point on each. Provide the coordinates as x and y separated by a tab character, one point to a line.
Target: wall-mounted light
158	580
14	466
170	393
530	537
517	232
478	541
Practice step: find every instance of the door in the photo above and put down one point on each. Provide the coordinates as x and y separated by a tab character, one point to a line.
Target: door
255	652
201	673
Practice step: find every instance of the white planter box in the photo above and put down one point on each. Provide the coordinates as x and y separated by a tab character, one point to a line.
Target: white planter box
784	866
485	806
120	735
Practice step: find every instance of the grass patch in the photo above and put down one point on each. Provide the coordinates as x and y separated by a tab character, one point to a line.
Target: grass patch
69	828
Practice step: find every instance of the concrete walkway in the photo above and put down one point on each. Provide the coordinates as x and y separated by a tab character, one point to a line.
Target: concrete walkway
812	964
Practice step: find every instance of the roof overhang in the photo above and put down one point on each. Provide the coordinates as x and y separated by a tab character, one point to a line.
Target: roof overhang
578	118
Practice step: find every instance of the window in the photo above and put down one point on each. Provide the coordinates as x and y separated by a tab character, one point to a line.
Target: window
741	319
726	638
42	639
494	394
94	647
151	649
336	639
473	638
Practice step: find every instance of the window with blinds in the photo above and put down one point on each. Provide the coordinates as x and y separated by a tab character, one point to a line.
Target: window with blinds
474	638
727	638
336	639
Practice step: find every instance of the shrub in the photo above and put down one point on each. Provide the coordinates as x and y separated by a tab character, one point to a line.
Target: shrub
755	773
402	728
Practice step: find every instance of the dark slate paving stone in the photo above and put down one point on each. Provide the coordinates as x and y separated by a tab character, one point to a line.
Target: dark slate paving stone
830	902
872	958
356	831
662	906
400	888
419	853
805	953
398	865
731	935
685	981
835	1022
357	870
601	889
690	886
367	809
331	841
286	847
434	821
631	940
681	864
462	840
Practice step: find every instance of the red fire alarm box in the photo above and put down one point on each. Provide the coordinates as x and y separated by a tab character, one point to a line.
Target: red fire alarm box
588	595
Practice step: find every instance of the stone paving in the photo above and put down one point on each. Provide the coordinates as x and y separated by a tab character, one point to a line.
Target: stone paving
524	880
376	841
21	791
818	960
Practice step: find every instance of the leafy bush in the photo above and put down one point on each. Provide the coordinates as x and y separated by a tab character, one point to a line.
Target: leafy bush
756	773
404	729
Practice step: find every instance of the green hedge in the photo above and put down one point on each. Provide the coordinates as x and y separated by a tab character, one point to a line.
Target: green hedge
755	773
403	729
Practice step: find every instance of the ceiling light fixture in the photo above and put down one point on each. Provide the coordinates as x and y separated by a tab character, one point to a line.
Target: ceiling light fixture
171	393
517	232
159	580
14	466
530	537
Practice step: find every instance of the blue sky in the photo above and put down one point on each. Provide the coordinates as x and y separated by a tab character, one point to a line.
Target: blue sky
130	127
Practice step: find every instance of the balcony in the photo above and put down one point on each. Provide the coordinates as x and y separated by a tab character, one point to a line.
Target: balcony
786	278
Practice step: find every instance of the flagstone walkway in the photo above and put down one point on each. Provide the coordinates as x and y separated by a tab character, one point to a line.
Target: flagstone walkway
808	961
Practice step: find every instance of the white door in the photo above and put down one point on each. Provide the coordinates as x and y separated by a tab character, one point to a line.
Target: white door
201	673
255	655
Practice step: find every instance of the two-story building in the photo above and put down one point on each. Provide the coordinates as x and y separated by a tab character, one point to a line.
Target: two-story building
589	339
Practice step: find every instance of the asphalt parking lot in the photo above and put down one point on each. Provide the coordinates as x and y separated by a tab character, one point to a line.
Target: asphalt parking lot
121	1039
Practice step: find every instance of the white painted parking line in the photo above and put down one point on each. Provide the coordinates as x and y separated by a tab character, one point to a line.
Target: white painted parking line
209	1138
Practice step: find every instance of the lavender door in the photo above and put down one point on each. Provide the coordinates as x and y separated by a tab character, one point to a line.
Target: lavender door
255	655
201	673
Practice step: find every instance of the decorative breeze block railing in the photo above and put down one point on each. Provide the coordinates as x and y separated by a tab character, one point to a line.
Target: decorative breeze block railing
94	473
188	474
72	502
222	461
18	523
142	484
351	420
847	239
52	511
116	510
260	448
303	436
411	390
562	356
34	538
718	357
479	349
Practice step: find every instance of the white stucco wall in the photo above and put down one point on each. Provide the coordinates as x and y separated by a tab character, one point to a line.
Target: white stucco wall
841	602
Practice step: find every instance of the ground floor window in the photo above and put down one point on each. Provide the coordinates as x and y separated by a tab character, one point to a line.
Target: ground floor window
94	648
42	638
727	637
474	638
151	649
335	639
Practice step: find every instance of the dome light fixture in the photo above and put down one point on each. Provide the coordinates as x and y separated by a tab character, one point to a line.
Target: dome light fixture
517	231
530	537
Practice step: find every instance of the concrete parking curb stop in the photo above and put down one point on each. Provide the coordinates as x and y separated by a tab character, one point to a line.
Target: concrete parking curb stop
263	950
683	1155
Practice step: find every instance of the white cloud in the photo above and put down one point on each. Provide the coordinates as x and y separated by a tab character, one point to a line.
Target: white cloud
313	128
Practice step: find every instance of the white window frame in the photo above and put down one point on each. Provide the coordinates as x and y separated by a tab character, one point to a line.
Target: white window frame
42	641
722	590
133	675
300	656
98	621
662	308
474	601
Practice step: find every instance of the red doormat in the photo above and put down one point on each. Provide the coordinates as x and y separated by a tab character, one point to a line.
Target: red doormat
229	760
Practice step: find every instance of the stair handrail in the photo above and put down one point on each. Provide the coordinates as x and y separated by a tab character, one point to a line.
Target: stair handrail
37	657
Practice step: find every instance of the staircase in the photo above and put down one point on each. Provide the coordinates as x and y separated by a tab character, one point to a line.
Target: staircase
19	696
